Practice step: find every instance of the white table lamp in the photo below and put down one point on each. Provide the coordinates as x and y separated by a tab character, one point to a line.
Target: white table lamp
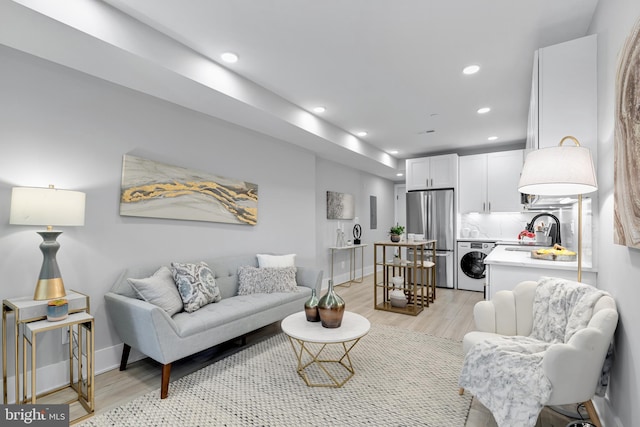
49	207
560	171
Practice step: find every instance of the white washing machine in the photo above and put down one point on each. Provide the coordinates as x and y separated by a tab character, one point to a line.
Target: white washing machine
471	268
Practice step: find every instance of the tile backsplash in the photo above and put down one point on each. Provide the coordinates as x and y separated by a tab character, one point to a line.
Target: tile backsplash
507	226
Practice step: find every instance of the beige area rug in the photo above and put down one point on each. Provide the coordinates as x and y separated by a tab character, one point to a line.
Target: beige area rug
403	378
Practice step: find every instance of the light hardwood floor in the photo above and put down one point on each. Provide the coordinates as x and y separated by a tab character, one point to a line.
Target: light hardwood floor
451	316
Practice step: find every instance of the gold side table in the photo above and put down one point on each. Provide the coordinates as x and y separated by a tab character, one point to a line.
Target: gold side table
81	354
26	310
318	364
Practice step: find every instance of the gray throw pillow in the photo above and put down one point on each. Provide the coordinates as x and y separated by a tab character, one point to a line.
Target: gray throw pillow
254	280
160	290
196	285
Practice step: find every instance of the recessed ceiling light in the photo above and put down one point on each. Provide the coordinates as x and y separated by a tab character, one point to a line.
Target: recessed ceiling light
492	138
319	109
484	110
399	174
229	57
393	151
362	133
471	69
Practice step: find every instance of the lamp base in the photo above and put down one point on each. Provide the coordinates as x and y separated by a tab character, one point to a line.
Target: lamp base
49	289
50	283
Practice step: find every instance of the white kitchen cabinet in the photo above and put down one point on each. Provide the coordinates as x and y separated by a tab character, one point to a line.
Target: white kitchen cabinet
506	277
564	95
489	182
433	172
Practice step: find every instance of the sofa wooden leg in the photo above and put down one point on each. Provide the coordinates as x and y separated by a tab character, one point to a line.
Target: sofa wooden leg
166	372
125	357
593	415
461	391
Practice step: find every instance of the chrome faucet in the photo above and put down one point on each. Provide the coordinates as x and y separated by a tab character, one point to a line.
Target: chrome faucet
555	236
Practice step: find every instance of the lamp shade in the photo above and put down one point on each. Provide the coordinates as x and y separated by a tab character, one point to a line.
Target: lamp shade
558	171
46	206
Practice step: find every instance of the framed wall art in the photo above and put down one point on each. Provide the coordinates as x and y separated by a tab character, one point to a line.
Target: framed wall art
340	205
157	190
627	144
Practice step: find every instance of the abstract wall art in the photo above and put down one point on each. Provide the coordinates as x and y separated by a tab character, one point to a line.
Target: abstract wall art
158	190
340	205
627	144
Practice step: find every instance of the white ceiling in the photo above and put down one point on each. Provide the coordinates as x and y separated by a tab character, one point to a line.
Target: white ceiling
390	67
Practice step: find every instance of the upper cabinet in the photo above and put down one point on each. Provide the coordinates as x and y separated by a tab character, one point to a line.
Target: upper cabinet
489	182
427	173
564	94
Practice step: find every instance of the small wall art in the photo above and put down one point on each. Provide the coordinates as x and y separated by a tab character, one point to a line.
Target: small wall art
157	190
340	205
373	212
627	144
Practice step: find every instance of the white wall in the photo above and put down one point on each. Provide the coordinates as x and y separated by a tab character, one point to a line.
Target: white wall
62	127
619	266
335	177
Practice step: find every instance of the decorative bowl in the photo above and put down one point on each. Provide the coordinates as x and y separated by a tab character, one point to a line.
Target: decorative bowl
57	309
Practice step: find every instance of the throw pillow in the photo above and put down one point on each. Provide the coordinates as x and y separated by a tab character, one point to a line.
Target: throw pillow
160	290
196	285
276	261
254	280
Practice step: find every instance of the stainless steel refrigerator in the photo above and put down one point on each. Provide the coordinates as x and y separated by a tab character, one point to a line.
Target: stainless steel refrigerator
431	213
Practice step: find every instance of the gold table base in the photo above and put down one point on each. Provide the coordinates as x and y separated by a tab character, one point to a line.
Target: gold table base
303	348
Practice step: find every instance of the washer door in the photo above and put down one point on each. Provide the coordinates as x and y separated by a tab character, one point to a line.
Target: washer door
472	264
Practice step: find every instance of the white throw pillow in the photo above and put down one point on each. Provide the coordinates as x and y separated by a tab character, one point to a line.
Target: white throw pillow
276	261
252	280
159	289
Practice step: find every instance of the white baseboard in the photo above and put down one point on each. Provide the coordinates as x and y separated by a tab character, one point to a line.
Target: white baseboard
344	277
606	413
56	375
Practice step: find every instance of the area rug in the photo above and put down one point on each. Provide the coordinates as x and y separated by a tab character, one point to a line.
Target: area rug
402	378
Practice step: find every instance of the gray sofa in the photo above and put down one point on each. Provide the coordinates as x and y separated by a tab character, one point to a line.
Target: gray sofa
150	330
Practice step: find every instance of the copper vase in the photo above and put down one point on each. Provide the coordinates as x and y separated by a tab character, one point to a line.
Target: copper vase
331	308
311	307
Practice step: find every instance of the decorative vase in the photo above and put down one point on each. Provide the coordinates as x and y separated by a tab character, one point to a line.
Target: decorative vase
57	310
397	298
331	308
311	307
395	238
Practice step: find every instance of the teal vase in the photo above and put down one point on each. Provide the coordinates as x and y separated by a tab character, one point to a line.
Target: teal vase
331	308
311	307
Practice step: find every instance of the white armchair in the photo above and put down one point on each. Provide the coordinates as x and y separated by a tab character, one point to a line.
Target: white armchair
573	367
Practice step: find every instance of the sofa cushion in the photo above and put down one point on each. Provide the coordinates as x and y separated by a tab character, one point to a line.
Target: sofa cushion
228	310
196	285
276	261
266	280
159	289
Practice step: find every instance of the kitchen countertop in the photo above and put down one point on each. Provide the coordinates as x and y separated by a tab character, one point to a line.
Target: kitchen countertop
501	256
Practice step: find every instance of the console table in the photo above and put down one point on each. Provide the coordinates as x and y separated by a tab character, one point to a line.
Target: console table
352	265
418	275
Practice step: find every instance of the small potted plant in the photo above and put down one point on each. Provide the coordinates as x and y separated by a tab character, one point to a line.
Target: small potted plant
396	231
57	310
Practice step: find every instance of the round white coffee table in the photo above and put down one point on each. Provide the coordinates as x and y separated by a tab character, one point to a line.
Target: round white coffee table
324	352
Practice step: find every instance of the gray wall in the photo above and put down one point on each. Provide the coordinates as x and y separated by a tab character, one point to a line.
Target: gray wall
331	176
59	126
618	266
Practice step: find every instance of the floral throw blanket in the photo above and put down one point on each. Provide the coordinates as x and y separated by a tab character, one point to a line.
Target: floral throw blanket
506	374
